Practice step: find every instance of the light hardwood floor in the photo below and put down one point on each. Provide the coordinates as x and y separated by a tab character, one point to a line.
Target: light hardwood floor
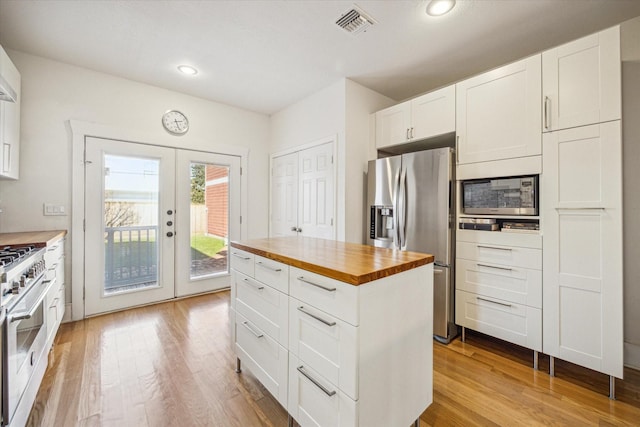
171	364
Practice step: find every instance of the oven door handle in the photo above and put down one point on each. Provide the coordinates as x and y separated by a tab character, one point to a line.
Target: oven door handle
32	310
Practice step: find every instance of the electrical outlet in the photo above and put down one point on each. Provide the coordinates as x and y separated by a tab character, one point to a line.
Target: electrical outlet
51	209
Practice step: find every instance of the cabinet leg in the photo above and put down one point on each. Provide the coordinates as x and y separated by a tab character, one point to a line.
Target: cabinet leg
289	420
552	366
464	334
612	387
416	423
535	360
238	367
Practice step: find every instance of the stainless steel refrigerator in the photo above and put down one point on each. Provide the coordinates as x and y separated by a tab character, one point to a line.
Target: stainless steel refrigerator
411	200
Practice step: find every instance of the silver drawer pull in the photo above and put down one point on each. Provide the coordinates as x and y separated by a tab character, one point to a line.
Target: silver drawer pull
494	302
326	322
52	248
302	279
493	247
314	381
255	285
268	267
246	258
53	267
257	334
584	208
493	266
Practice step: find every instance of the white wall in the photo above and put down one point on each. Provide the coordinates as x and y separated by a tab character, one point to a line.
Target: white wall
360	103
53	93
631	203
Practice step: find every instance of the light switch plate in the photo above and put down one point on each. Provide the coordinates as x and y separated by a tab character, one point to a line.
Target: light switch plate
52	209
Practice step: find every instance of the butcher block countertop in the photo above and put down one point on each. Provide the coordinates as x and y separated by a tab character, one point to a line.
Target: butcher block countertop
348	262
38	238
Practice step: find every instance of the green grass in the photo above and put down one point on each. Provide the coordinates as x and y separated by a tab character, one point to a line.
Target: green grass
205	246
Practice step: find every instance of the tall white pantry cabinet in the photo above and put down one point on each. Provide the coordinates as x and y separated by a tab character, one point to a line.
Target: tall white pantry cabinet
581	200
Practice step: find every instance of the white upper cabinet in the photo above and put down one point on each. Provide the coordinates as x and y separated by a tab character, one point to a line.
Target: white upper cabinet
428	115
9	121
582	246
498	113
581	82
393	125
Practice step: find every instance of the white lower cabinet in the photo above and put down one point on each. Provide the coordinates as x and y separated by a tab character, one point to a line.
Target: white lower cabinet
326	343
315	401
353	355
264	357
499	285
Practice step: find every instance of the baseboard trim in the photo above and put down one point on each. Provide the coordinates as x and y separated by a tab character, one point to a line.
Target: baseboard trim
632	355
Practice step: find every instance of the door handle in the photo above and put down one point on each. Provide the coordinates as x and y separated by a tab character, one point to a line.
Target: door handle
547	109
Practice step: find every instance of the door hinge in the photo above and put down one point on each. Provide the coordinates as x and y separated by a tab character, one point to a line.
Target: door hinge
84	225
331	159
84	158
332	222
240	170
240	219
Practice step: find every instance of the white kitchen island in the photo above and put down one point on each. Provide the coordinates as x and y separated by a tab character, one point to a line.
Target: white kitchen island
339	333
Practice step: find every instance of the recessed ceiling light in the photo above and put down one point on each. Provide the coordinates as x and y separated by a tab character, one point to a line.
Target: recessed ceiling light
440	7
187	69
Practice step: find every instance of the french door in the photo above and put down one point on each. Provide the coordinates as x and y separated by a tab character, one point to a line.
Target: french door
158	221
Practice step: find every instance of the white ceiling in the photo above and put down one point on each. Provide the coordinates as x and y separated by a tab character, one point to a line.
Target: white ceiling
265	55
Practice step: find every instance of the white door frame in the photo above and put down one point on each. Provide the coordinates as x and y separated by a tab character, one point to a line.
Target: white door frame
297	148
79	131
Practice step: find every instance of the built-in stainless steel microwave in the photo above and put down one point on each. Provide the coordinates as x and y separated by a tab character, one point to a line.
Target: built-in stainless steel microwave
501	196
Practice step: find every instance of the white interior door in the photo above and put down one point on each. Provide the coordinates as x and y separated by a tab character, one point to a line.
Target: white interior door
317	192
284	195
129	248
208	216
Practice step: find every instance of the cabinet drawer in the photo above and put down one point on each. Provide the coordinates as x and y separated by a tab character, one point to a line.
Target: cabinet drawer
337	298
515	323
324	343
54	261
263	306
514	284
315	401
263	356
273	273
498	254
242	261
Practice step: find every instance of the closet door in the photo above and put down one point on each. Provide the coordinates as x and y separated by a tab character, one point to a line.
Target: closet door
317	192
582	247
284	195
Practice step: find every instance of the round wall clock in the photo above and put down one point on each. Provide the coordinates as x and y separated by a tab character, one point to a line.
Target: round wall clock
175	122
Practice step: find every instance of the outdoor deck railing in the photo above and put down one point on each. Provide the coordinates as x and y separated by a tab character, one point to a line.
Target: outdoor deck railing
131	255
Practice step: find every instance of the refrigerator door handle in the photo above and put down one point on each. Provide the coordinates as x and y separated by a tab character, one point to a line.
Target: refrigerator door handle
396	213
402	221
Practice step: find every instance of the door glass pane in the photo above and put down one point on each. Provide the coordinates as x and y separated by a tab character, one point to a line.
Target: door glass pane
209	219
131	189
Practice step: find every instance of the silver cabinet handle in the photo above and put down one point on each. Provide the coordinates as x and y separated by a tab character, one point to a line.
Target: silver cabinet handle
255	285
315	382
494	302
493	247
411	133
52	248
407	133
318	318
594	208
302	279
235	254
457	148
547	109
497	268
53	267
257	334
268	267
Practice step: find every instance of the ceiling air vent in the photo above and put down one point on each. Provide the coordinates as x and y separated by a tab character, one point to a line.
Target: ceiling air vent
355	21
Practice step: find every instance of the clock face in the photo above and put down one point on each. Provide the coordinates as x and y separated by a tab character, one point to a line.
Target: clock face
175	122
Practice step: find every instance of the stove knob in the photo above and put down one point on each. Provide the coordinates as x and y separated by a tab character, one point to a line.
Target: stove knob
23	280
15	287
32	272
